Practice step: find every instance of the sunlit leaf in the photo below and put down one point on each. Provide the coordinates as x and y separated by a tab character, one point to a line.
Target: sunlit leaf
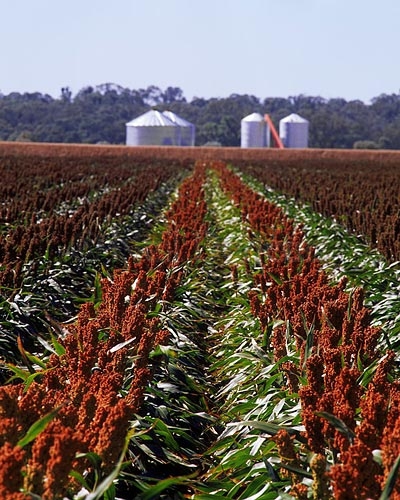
38	427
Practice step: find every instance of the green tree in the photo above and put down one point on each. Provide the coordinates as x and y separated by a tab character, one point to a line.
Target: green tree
99	114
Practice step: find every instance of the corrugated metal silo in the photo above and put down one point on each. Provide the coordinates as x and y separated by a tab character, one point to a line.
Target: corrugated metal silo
152	129
254	132
187	130
293	131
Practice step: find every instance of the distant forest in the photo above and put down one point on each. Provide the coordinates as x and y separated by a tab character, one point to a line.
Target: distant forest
98	115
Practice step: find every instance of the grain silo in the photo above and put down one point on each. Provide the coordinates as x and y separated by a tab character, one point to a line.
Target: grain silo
187	130
293	131
152	129
254	131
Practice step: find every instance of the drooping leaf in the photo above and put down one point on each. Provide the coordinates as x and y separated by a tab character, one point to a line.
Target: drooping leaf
338	424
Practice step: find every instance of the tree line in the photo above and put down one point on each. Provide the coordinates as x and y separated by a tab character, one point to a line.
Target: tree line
99	114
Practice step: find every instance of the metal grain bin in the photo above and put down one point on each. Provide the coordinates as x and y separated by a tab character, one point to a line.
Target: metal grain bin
293	131
254	132
187	131
152	129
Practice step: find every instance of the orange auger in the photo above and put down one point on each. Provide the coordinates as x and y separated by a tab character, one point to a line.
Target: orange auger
274	133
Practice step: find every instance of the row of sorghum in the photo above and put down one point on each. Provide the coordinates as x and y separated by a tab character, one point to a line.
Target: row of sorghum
32	184
362	194
87	385
336	343
55	233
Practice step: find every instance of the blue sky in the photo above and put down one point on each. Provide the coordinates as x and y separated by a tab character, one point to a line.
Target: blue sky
209	48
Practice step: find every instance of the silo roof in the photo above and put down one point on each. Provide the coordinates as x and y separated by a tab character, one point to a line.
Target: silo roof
294	118
254	117
178	120
151	118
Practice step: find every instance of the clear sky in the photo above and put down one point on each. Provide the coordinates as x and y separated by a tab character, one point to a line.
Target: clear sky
208	48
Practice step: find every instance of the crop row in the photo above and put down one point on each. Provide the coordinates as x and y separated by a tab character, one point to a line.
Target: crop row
74	404
35	187
31	185
348	399
362	195
53	231
329	426
62	217
359	189
52	291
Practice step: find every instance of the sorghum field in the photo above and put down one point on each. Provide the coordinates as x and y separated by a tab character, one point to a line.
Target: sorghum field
199	323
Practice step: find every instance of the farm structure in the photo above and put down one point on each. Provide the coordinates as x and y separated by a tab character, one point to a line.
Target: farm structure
160	129
259	132
255	132
293	131
187	130
173	331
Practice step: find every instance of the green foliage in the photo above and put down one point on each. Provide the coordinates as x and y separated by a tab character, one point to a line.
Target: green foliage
344	255
52	290
104	487
389	486
98	115
37	427
218	397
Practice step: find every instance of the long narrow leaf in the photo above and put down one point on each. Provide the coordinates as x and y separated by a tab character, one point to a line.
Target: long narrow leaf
38	427
391	480
107	485
18	372
337	423
161	486
270	428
